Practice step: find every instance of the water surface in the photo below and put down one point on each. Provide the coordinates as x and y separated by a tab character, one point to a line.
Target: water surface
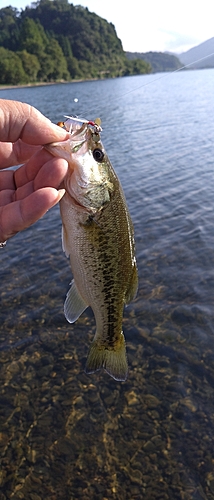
67	435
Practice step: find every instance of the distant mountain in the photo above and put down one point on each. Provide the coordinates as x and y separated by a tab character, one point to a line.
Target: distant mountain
159	61
194	55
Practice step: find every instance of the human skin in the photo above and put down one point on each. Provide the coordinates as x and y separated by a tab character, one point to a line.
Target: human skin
29	191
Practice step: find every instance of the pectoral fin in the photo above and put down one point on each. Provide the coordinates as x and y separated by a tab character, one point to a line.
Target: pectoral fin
65	242
74	304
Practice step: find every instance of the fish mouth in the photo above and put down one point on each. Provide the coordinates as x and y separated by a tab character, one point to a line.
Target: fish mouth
80	132
79	135
64	149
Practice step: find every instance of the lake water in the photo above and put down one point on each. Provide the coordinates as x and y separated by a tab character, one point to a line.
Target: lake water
65	435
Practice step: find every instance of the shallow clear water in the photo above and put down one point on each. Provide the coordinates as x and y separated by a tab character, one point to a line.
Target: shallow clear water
67	435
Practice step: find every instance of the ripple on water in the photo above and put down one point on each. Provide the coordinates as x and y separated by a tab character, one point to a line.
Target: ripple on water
151	436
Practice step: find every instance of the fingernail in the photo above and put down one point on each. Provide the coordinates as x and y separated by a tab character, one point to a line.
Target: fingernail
61	193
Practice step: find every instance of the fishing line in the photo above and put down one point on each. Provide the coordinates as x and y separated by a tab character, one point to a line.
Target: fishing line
163	76
168	75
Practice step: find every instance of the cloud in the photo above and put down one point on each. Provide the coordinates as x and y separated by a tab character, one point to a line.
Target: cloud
179	42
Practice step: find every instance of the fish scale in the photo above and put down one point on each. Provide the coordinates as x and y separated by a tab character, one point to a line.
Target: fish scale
98	237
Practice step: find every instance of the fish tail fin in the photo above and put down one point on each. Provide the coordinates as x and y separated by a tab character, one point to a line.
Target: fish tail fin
111	358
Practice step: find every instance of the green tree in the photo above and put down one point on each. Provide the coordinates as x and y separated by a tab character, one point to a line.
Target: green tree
32	37
85	69
30	64
73	67
66	41
141	67
9	28
59	65
137	67
11	69
65	45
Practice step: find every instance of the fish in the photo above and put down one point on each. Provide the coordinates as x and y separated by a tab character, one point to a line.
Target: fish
98	237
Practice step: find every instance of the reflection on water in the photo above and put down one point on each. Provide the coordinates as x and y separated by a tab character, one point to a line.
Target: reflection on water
63	434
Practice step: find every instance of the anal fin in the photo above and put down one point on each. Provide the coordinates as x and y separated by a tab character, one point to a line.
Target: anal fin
74	304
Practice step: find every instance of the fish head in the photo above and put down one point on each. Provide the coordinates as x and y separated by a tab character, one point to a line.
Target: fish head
87	181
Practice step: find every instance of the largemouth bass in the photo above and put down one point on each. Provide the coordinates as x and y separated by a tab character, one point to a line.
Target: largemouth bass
97	235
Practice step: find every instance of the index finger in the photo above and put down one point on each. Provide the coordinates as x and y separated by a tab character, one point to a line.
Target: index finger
21	121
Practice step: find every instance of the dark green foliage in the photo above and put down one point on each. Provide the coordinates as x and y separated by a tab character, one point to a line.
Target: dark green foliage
137	67
73	67
59	69
30	65
32	37
159	61
11	68
55	40
9	28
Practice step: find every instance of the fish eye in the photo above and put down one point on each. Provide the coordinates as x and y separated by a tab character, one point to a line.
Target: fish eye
98	155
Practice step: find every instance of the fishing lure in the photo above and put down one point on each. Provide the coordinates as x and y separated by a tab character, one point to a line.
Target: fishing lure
72	121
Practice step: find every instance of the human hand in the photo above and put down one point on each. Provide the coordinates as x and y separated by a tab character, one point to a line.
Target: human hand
28	192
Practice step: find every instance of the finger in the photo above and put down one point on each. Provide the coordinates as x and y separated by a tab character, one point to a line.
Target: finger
15	153
21	214
7	180
43	170
51	174
6	197
22	121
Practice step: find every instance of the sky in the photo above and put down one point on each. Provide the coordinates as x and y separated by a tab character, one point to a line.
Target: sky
155	25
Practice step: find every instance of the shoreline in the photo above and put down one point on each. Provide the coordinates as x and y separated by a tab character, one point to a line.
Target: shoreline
38	84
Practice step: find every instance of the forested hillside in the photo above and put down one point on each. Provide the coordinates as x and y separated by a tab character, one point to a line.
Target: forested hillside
55	40
159	61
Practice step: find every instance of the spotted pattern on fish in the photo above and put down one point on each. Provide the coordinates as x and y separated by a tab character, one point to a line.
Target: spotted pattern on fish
98	237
